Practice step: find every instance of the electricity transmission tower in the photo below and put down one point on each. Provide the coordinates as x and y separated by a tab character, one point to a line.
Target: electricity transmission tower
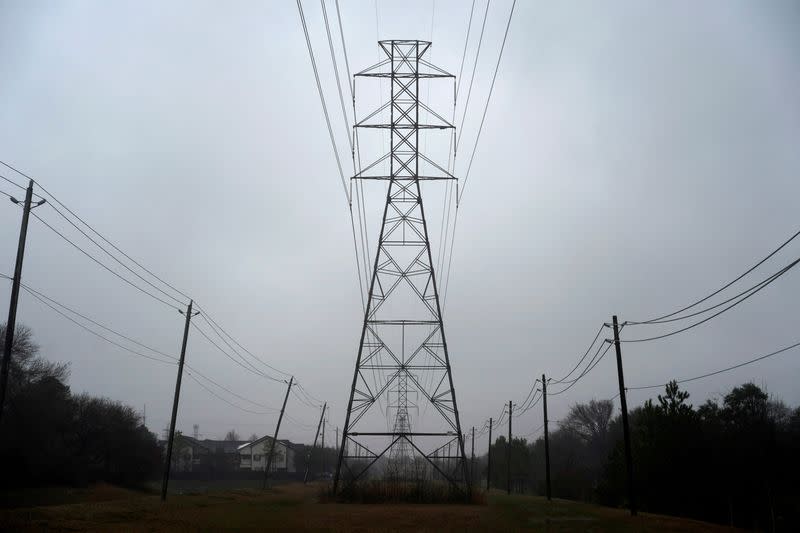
403	349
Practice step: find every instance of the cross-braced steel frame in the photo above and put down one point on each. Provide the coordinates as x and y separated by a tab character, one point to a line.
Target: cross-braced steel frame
402	337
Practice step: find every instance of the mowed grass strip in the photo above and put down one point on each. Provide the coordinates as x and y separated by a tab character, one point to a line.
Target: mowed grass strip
296	507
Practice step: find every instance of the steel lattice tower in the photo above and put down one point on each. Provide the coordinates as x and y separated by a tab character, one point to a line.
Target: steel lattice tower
402	338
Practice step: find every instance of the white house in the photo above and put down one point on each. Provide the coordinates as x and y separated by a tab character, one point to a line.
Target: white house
253	455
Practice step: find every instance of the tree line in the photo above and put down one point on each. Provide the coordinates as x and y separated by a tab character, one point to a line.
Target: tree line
49	435
733	461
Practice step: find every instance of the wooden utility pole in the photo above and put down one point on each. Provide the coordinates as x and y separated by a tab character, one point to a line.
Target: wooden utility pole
625	427
323	440
310	456
11	323
472	460
171	439
508	449
546	438
275	436
489	461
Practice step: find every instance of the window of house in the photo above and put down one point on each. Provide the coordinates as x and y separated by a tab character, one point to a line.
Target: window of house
256	458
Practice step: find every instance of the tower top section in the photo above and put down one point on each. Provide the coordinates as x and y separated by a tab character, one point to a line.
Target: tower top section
404	59
411	49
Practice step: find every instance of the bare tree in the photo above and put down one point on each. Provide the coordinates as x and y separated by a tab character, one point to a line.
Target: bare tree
232	435
590	421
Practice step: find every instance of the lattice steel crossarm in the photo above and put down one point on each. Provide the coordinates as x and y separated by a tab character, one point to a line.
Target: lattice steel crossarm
403	343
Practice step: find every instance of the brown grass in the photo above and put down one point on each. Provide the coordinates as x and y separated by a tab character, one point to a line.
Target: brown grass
296	507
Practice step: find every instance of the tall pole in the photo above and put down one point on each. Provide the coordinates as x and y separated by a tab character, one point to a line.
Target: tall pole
489	459
275	436
336	442
508	449
472	460
168	464
625	426
310	456
546	439
11	323
323	441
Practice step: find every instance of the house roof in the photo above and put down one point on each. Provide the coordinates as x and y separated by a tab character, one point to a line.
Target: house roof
285	442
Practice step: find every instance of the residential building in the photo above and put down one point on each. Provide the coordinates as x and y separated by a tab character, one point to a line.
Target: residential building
253	455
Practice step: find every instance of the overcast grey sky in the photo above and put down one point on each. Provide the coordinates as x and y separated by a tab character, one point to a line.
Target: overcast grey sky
636	155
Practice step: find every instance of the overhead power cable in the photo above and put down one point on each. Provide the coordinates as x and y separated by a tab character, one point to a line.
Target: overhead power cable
229	391
751	292
714	373
302	400
12	182
532	432
42	300
739	277
534	401
593	363
472	78
235	351
216	324
226	354
599	331
322	100
115	273
115	258
758	286
40	294
308	395
245	409
336	74
530	392
488	99
54	199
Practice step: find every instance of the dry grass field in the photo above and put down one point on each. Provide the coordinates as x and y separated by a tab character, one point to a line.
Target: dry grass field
296	507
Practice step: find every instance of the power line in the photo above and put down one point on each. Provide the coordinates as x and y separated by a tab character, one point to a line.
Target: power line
472	78
43	298
532	432
745	273
112	256
96	334
230	391
707	309
98	324
304	401
12	182
530	392
310	396
336	73
226	354
534	401
189	373
599	331
107	241
322	100
87	254
593	363
763	285
751	361
207	316
488	98
235	351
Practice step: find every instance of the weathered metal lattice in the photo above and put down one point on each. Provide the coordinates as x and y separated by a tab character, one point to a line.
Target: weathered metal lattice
403	353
